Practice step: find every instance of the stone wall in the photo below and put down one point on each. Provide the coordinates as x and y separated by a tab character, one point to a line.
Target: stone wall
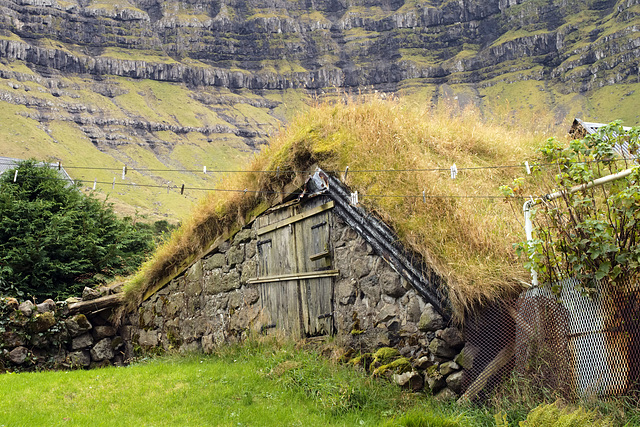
47	336
212	304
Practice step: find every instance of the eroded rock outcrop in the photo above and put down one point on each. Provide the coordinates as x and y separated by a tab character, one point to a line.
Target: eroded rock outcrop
286	44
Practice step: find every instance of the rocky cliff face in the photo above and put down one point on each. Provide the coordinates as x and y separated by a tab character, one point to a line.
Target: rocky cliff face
178	85
315	44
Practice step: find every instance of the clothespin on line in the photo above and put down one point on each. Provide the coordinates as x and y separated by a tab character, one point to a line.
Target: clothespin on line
182	190
204	170
113	184
346	171
454	171
424	196
526	165
124	171
15	176
354	199
95	181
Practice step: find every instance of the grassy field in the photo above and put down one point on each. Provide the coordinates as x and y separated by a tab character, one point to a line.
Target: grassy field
254	385
259	384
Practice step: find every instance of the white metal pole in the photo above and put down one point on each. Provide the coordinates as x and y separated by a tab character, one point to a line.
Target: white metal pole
526	208
528	229
588	185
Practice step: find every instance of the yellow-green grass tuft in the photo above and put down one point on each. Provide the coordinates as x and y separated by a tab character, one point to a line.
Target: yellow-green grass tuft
468	241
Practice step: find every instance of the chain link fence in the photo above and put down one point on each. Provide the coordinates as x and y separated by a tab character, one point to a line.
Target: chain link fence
573	344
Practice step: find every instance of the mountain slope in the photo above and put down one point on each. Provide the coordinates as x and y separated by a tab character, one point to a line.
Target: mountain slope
169	85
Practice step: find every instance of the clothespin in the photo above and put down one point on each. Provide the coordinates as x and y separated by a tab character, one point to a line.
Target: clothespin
245	191
454	171
204	170
182	190
526	165
168	188
59	166
346	171
15	176
124	171
424	196
278	172
95	181
113	184
354	198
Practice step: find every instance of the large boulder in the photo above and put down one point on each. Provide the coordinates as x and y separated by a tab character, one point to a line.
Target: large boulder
77	325
18	355
392	284
216	260
43	322
440	348
454	381
46	306
148	338
447	368
90	293
409	380
102	350
100	332
79	359
26	308
82	341
452	336
466	357
430	320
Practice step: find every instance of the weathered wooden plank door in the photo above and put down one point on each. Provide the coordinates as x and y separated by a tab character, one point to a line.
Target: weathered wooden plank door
295	277
313	254
277	258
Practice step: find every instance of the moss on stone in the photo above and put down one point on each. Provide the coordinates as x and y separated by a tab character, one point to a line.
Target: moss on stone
363	360
385	355
433	371
398	366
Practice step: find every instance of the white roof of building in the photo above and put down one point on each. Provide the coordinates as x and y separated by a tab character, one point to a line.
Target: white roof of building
8	163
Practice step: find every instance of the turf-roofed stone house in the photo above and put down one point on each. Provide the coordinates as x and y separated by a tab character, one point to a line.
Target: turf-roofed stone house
316	264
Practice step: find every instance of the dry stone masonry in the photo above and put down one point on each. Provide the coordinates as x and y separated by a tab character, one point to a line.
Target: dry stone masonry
374	308
47	336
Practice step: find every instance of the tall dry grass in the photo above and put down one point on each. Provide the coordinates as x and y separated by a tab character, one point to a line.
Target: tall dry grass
464	235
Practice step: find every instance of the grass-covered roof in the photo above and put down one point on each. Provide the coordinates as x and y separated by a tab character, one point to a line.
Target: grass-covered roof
395	152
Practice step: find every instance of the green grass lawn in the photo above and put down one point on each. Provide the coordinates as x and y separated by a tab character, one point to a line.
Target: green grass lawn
254	385
257	384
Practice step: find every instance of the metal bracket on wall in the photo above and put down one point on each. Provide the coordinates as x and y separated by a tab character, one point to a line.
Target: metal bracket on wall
320	255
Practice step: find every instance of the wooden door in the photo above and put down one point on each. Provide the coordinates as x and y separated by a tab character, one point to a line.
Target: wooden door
295	276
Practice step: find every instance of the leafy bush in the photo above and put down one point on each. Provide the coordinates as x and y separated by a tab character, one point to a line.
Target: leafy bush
54	240
587	232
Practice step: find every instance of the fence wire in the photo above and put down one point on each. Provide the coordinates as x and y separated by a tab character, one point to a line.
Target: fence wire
573	344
